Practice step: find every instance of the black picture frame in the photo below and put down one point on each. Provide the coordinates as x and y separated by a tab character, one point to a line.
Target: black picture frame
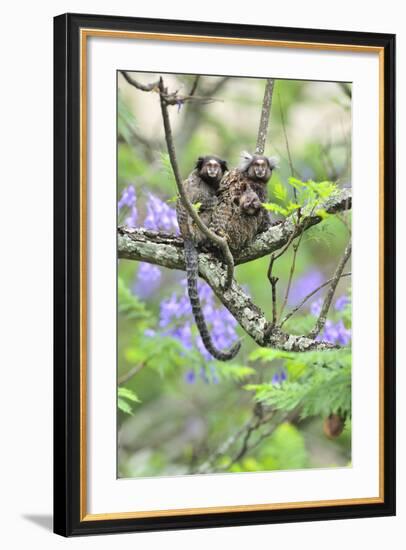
67	349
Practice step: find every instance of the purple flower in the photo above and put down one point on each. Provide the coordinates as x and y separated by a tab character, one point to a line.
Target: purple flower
183	333
176	318
342	302
330	333
190	377
128	198
336	333
315	307
169	310
148	279
304	285
131	220
279	377
160	215
344	334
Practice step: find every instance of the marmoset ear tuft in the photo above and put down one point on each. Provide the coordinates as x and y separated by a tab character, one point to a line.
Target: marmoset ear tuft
245	160
273	162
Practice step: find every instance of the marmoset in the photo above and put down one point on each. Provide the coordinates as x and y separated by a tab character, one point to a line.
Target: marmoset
239	215
201	187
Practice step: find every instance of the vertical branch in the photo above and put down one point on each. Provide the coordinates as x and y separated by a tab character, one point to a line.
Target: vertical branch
266	109
221	243
329	296
292	170
286	139
291	272
194	85
273	281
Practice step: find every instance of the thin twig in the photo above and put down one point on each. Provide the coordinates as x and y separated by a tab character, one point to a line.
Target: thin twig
244	447
173	98
312	293
222	449
291	273
265	112
245	431
273	281
132	372
287	417
275	256
346	88
221	243
138	85
329	296
194	85
292	170
247	447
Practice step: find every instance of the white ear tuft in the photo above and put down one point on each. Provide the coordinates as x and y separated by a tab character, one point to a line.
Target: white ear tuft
273	162
245	160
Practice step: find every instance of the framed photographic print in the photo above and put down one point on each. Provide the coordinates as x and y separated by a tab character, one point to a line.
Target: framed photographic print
224	274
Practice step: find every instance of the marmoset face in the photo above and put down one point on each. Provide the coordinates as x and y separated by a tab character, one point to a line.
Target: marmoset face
211	169
257	167
248	202
260	167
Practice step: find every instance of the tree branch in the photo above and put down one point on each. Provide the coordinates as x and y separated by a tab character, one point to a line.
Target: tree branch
173	98
167	250
132	372
194	85
265	113
329	296
139	85
221	243
312	293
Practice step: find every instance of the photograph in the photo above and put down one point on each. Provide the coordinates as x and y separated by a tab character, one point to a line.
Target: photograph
234	294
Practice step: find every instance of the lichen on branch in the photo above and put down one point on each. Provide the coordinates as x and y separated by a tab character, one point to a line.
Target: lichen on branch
167	250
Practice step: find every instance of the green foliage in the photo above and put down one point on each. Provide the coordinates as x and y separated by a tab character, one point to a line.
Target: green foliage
131	165
319	383
129	305
166	168
309	195
283	450
124	396
125	120
163	354
230	372
278	209
174	423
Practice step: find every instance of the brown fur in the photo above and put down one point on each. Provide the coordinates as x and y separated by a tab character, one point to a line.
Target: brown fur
201	187
239	215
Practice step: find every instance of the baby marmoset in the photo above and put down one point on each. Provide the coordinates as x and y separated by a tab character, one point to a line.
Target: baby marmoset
201	187
239	215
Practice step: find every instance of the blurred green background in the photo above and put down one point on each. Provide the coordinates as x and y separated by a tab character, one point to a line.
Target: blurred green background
176	408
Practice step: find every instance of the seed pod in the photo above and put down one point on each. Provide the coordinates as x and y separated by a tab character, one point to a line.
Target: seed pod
333	426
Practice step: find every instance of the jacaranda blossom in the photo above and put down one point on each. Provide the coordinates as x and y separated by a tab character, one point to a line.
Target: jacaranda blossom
342	302
160	216
336	333
279	377
177	320
304	285
148	279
